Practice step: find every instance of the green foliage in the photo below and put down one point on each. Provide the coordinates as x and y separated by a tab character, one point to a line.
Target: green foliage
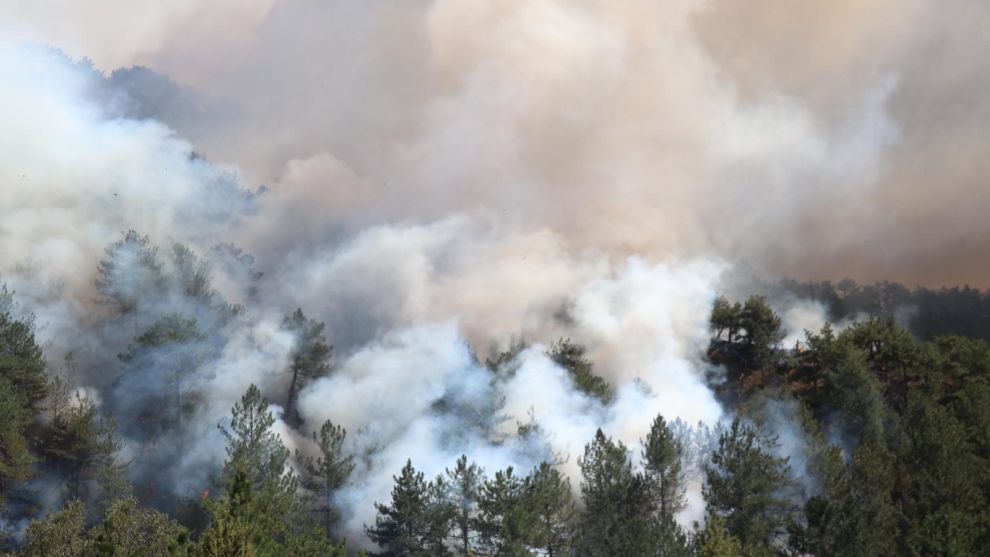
130	272
763	331
15	459
464	487
173	346
948	503
260	512
325	474
310	358
505	520
193	275
552	510
129	530
84	444
616	518
743	484
61	534
403	527
23	389
895	434
725	318
253	448
752	329
662	469
857	395
22	362
570	356
715	540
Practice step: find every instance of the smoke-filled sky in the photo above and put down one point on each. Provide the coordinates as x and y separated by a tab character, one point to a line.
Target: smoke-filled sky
435	177
812	140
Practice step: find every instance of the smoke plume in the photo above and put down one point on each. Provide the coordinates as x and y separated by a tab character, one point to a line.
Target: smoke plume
439	180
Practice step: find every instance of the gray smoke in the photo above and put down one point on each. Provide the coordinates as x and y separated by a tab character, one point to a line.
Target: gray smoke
445	178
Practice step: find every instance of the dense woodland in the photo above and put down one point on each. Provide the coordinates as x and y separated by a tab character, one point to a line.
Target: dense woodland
893	427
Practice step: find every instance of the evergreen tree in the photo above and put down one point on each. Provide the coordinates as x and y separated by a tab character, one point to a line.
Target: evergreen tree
15	459
616	519
325	474
252	447
856	395
505	520
193	276
943	483
551	507
61	534
763	331
174	347
441	518
662	468
310	358
251	443
465	482
85	445
22	362
570	356
725	318
130	273
715	540
232	531
743	486
260	513
402	527
869	518
129	530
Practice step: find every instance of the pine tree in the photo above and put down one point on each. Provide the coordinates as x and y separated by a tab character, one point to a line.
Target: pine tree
664	482
310	358
743	485
465	482
22	362
173	345
60	534
130	273
325	474
441	518
716	541
725	318
129	530
252	446
570	356
15	459
552	510
232	531
193	276
505	519
616	517
85	445
662	468
402	528
260	512
763	331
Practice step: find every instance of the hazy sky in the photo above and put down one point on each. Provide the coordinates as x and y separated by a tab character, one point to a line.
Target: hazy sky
815	140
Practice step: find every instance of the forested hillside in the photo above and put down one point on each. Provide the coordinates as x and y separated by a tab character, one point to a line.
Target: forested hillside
494	278
859	441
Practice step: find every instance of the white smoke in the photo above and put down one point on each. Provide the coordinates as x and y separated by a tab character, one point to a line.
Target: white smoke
444	178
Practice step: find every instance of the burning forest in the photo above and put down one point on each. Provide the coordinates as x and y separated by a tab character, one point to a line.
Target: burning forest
686	278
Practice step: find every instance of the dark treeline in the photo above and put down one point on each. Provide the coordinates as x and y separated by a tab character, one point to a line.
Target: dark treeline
927	312
864	441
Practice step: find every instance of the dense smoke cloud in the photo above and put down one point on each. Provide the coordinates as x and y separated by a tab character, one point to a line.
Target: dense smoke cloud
826	120
444	179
